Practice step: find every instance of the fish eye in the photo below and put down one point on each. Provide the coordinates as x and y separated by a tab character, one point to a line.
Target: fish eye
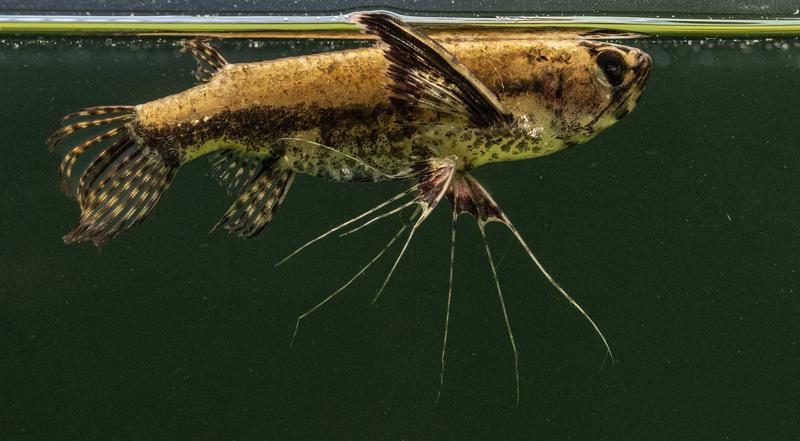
613	67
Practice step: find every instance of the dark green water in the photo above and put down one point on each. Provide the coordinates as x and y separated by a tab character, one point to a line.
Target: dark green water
678	229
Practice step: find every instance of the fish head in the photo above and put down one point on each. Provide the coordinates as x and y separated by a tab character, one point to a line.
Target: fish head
581	88
620	73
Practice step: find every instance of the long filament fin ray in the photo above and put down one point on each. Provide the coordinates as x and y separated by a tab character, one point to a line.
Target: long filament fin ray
346	223
449	303
346	284
481	226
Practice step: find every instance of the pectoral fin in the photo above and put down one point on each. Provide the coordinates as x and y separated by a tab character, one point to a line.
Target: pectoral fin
426	75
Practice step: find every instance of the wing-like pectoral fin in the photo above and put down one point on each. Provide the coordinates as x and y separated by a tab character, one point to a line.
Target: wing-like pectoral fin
426	75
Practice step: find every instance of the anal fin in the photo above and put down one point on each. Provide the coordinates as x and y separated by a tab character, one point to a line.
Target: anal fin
259	201
233	169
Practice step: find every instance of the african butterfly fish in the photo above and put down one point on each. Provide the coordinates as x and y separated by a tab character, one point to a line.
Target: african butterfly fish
409	109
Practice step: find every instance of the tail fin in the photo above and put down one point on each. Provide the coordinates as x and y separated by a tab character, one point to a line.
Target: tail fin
120	187
69	126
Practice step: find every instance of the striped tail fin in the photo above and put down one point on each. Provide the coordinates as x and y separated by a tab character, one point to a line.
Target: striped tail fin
70	126
121	184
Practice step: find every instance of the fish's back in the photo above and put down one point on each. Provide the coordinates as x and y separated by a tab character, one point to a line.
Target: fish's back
353	78
327	80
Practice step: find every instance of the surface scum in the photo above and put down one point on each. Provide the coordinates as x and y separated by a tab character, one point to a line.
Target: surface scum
408	109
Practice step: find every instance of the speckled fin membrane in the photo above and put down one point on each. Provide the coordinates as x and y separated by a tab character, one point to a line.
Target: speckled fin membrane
209	60
121	190
257	204
121	184
425	74
233	169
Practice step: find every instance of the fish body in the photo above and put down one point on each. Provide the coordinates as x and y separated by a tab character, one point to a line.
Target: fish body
343	100
409	109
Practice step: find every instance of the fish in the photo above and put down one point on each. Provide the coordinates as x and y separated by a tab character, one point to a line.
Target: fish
408	108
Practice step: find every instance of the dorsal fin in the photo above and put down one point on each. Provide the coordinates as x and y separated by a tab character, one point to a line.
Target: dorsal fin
209	60
426	75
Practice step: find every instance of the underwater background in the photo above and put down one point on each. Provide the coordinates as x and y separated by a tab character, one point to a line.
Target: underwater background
677	229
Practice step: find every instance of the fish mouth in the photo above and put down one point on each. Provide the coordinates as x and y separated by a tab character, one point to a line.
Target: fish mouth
642	67
626	98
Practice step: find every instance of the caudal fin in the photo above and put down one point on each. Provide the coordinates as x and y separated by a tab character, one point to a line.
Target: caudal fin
70	125
121	184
